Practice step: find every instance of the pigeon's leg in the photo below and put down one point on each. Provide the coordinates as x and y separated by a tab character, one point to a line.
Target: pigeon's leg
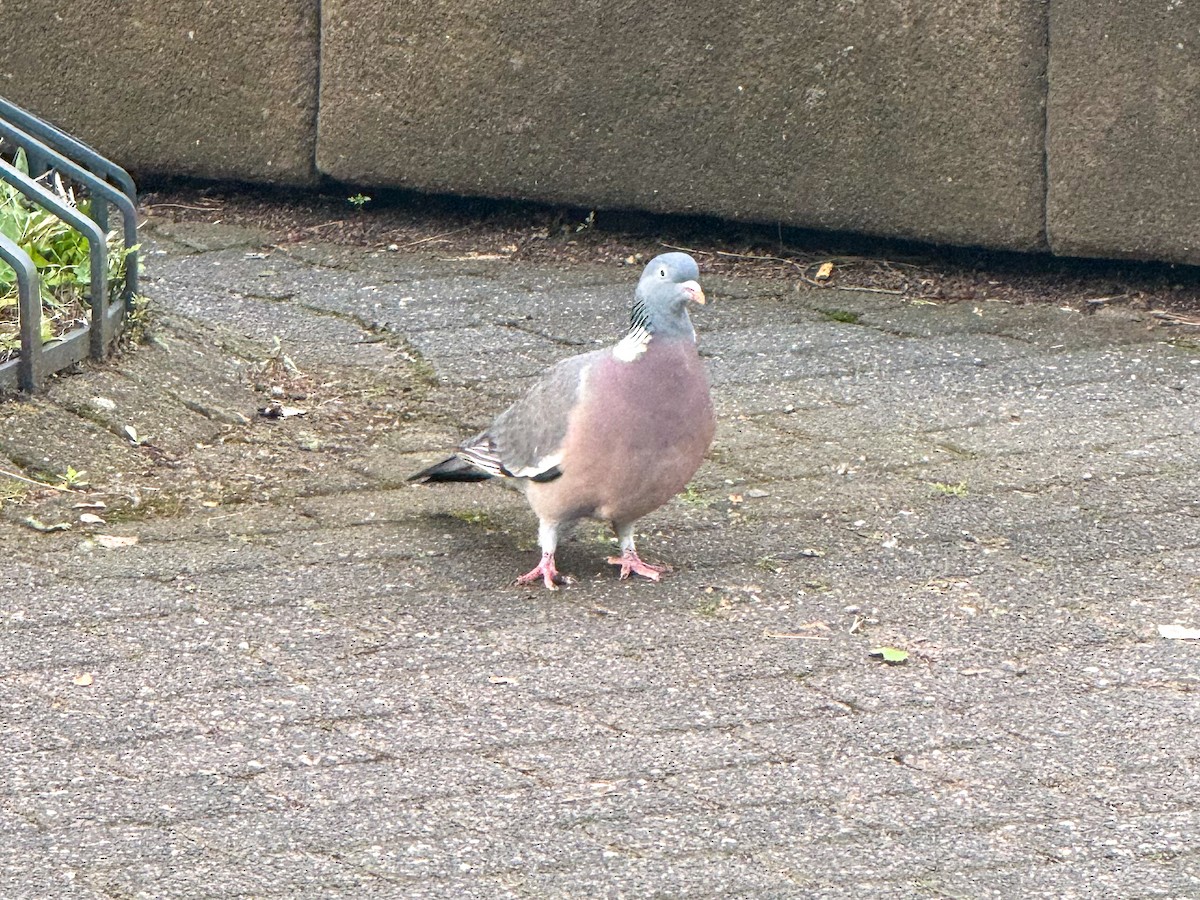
629	561
545	570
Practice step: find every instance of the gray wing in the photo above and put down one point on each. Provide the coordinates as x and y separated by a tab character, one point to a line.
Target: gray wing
525	441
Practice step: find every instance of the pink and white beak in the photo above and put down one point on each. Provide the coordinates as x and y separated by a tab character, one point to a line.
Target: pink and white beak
694	291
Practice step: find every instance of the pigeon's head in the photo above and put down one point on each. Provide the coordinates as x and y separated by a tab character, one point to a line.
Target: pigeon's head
667	285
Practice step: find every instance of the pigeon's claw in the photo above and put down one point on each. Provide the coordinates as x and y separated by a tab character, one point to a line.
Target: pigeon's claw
631	563
549	575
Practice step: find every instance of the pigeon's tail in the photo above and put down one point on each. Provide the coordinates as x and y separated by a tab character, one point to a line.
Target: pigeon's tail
452	468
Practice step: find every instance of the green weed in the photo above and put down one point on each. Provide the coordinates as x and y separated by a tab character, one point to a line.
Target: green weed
951	490
841	315
61	256
73	478
472	517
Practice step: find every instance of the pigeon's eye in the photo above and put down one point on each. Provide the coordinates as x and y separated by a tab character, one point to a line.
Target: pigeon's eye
662	273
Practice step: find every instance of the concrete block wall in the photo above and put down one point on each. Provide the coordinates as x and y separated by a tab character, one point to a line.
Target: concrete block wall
221	89
923	119
916	118
1123	147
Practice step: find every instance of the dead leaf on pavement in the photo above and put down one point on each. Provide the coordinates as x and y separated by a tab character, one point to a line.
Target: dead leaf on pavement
113	541
1179	632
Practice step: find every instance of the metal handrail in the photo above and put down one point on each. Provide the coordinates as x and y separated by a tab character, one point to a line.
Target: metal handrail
49	148
73	147
100	189
71	347
29	308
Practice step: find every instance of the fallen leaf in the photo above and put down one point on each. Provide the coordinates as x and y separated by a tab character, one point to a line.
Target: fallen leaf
91	519
1179	632
893	656
94	504
39	525
83	679
113	541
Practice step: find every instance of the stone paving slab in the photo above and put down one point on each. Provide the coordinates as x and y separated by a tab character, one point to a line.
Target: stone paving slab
308	678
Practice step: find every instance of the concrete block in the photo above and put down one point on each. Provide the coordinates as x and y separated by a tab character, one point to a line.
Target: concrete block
1124	129
920	119
221	89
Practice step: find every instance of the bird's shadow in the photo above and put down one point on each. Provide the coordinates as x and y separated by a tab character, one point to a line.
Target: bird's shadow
476	536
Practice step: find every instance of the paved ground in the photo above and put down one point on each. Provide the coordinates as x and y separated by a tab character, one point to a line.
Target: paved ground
307	678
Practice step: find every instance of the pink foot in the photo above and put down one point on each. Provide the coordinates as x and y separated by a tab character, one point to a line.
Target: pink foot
630	562
545	570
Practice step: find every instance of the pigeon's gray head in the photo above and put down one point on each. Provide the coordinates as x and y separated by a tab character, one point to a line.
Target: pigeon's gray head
667	285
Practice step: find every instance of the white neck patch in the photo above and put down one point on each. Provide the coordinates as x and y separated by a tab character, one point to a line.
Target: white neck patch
632	345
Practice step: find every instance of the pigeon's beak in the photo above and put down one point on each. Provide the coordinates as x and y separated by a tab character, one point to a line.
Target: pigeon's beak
694	291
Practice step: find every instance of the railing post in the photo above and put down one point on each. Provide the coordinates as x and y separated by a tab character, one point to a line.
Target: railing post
50	149
29	308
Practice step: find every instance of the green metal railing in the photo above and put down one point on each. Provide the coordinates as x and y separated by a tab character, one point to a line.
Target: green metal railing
50	150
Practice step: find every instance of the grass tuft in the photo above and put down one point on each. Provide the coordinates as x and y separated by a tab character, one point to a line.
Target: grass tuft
61	256
841	315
